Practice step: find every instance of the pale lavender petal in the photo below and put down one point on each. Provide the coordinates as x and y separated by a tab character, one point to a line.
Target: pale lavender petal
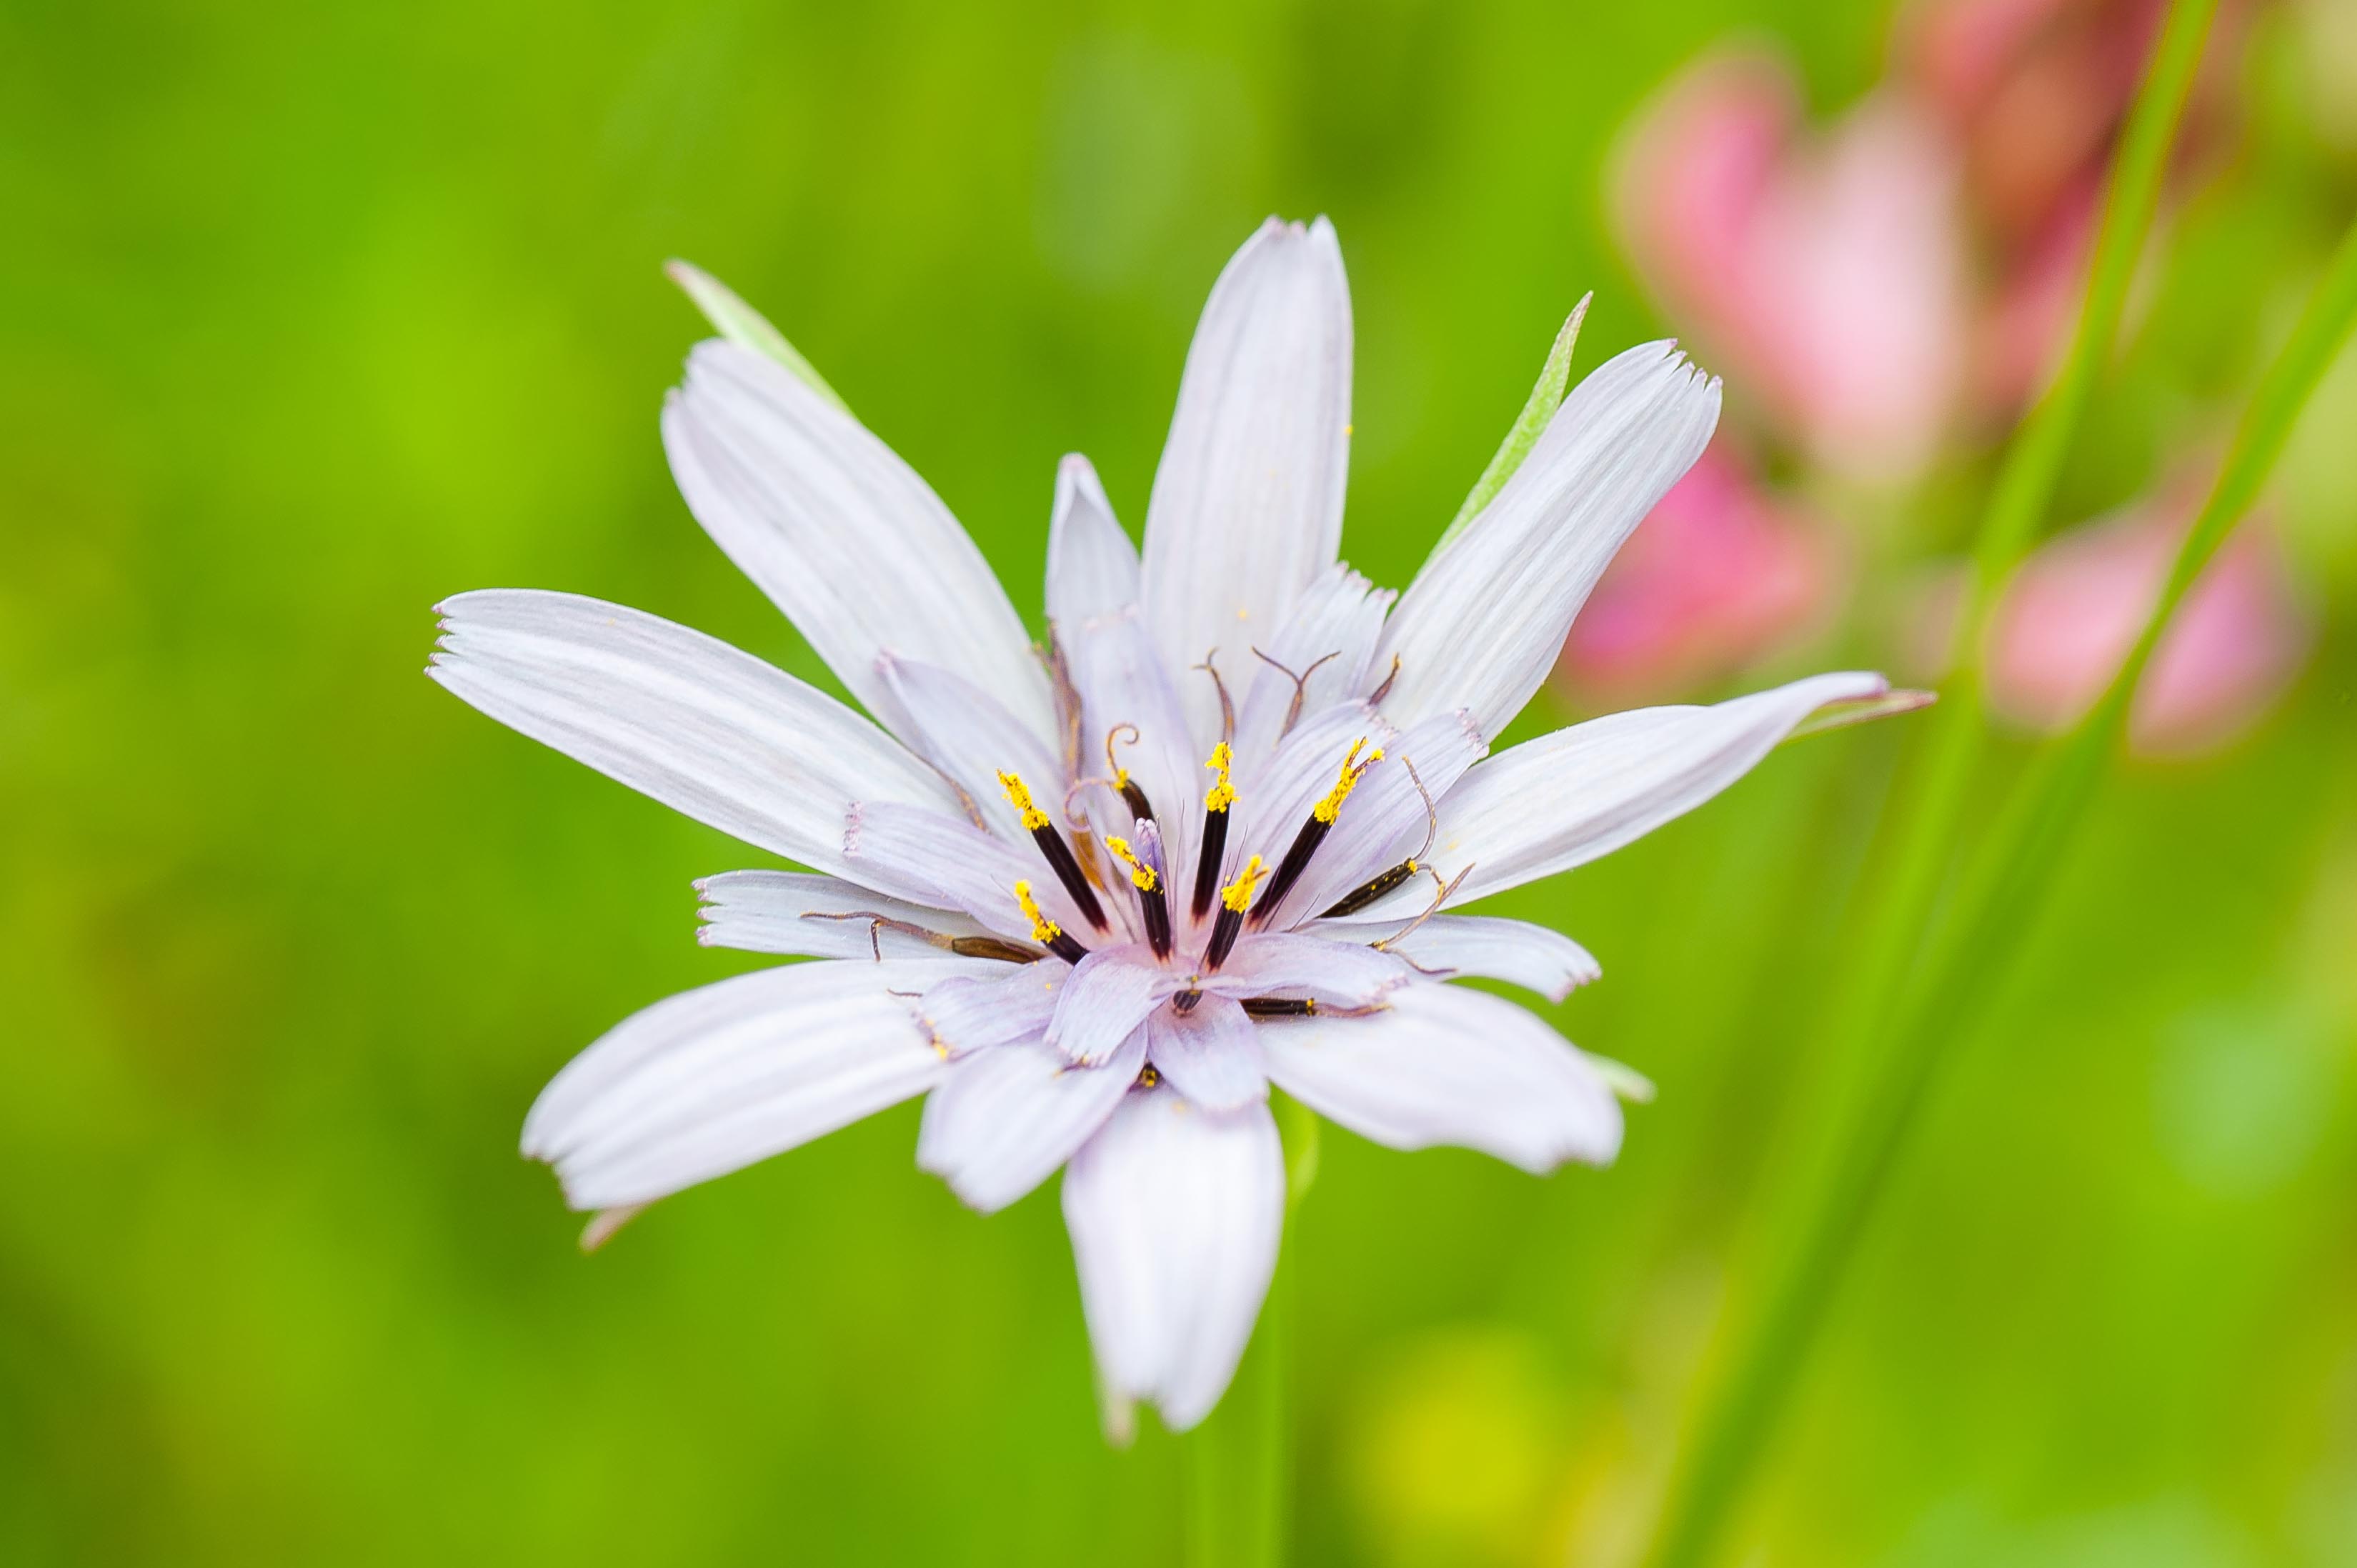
1275	794
1119	676
1001	1122
971	737
711	1081
970	1012
1247	503
1447	1064
860	554
1176	1213
1110	993
709	731
1516	951
955	865
1566	799
1387	819
1327	640
1211	1053
1092	565
819	917
1485	619
1350	974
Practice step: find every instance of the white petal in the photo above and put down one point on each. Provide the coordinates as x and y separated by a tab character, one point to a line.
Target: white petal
971	737
845	538
1327	639
1346	973
1566	799
1387	819
1210	1053
707	730
1176	1213
711	1081
1484	620
1447	1065
1515	952
971	1013
1110	993
1275	794
1119	677
1002	1120
954	863
1092	565
1247	503
818	916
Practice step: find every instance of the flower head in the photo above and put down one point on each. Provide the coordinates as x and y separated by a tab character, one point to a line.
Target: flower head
1091	900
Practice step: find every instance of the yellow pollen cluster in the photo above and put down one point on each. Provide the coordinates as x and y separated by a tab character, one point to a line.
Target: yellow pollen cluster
1327	810
1140	874
1238	895
1223	791
1034	819
1043	930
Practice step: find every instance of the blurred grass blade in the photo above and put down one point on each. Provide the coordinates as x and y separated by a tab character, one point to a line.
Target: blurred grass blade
1555	379
2004	898
1733	1424
746	327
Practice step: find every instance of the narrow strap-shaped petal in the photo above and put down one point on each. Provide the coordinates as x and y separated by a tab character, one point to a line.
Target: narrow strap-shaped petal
1447	1065
1516	951
842	534
1211	1053
1274	793
712	1080
970	1012
1569	798
818	916
1002	1120
1247	502
1110	993
1118	674
1484	620
1092	565
972	738
1176	1213
954	863
1326	644
1386	818
1346	973
707	730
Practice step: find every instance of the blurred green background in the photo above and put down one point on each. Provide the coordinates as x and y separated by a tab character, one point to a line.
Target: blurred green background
312	315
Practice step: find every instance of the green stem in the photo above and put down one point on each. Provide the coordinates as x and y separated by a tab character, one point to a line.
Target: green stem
1734	1425
1239	1462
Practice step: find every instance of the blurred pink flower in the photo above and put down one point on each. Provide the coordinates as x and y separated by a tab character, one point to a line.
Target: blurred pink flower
1826	276
2033	93
1716	576
2072	613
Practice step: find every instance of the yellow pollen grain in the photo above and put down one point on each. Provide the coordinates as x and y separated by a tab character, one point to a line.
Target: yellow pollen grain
1327	810
1018	796
1140	874
1043	930
1223	790
1238	895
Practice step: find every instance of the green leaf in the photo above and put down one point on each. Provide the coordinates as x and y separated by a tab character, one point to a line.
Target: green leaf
1555	376
746	327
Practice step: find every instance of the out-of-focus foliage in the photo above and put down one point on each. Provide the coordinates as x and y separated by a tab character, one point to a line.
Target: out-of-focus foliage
312	316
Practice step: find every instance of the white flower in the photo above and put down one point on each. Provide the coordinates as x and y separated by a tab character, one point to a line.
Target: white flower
1092	904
